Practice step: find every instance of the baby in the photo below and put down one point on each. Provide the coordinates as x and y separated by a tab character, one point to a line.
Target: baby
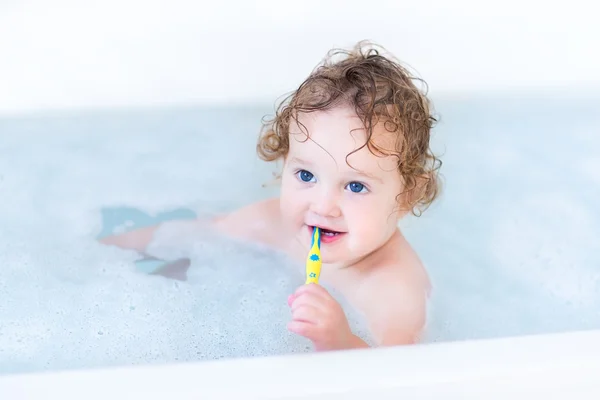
353	141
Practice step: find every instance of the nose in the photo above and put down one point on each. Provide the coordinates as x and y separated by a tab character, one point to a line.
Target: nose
325	204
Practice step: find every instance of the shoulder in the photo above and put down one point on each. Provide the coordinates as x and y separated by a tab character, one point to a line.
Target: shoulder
394	298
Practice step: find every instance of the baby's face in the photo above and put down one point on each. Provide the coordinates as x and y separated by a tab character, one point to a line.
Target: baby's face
357	208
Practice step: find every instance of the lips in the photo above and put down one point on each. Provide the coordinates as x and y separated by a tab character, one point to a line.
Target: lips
327	235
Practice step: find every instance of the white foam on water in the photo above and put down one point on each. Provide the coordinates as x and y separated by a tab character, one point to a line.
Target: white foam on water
70	302
511	246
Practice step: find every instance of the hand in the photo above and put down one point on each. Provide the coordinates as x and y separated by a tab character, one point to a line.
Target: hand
317	316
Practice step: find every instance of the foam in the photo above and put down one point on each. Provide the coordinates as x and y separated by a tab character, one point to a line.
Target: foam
69	302
511	247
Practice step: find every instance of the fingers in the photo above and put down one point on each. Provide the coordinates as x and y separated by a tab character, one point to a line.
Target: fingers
317	316
307	300
313	289
303	329
311	295
306	313
310	305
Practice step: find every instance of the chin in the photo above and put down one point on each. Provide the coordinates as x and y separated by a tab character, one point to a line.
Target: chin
341	260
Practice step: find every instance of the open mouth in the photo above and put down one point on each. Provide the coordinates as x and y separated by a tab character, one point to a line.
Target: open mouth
326	232
327	235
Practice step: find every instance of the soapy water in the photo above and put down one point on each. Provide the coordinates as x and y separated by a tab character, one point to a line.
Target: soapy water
510	246
71	302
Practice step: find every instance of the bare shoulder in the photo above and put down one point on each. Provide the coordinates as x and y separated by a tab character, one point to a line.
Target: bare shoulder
394	297
258	221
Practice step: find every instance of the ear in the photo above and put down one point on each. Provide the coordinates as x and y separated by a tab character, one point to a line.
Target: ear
410	197
424	192
401	206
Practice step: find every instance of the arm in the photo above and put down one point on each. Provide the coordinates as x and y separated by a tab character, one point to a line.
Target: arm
357	343
138	240
398	315
395	319
247	222
257	222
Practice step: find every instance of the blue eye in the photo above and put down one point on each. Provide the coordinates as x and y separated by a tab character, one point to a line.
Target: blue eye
305	176
356	187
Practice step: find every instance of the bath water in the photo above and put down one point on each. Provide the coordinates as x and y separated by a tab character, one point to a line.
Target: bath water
511	245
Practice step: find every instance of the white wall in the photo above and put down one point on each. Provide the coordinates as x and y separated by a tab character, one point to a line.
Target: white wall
67	53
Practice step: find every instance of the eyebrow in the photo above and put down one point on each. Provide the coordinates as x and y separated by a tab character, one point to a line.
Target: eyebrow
297	160
369	176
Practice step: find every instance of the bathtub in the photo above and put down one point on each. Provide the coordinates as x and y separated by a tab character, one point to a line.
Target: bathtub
552	366
511	248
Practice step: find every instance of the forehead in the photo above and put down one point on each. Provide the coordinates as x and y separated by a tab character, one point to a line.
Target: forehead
334	134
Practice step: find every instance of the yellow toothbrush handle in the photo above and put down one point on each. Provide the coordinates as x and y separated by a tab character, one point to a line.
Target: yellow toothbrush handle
313	261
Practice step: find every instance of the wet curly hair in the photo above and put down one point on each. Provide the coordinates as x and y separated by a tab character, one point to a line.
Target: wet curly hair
379	89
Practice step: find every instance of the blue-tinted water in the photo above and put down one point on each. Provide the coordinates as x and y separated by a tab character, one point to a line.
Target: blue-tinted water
511	246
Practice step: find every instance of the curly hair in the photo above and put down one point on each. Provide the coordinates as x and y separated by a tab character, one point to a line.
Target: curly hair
379	89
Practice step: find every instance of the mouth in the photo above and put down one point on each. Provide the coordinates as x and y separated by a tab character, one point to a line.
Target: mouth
327	235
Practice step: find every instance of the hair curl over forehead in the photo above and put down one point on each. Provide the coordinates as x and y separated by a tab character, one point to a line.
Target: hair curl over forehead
380	90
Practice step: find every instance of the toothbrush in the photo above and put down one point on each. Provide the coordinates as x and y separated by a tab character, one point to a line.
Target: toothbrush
313	260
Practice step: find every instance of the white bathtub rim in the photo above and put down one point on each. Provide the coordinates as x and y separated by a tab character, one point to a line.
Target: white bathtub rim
539	362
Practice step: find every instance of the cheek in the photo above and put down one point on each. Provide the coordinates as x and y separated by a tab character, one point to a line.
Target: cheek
292	203
374	220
